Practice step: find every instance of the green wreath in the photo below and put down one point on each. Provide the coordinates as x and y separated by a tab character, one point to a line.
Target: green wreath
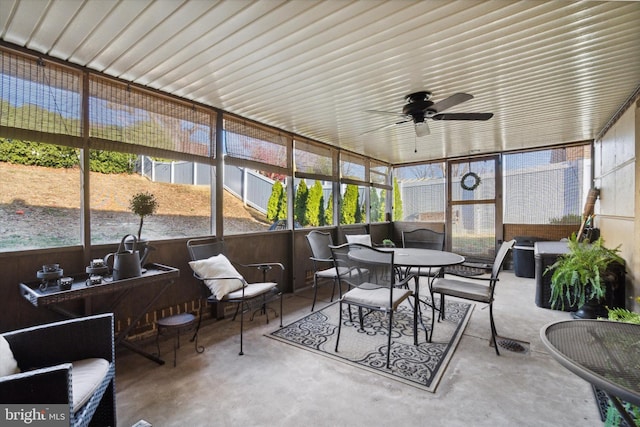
474	185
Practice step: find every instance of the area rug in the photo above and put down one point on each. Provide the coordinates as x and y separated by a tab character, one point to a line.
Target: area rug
421	366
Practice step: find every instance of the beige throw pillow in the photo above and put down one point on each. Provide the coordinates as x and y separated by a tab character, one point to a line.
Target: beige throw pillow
218	267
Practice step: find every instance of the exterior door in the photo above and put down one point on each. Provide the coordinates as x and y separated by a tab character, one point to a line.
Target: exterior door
474	211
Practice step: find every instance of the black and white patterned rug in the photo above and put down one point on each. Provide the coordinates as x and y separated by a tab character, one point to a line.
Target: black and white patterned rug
421	366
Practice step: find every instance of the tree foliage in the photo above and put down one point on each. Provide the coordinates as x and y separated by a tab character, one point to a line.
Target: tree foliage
397	201
277	205
328	213
314	198
57	156
350	208
38	154
300	206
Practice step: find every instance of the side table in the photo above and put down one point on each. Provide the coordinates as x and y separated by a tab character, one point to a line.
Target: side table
175	325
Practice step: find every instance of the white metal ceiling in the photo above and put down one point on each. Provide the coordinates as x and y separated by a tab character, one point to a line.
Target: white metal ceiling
550	71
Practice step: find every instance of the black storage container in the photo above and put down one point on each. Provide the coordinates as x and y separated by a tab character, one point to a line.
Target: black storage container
523	260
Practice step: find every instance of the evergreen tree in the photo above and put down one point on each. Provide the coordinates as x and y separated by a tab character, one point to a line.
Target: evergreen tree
375	205
349	205
300	207
282	212
397	201
321	213
312	214
275	202
328	213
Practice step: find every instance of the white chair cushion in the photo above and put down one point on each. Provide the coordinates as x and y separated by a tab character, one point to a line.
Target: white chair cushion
463	289
364	239
329	273
376	297
8	364
252	290
86	377
218	274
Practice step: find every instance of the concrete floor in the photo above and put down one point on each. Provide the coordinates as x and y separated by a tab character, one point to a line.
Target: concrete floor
275	384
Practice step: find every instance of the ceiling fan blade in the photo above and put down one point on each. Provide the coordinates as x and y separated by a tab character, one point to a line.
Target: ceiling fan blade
388	113
453	100
385	127
463	116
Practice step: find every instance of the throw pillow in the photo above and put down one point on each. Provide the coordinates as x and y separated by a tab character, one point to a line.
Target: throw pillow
8	364
364	239
215	267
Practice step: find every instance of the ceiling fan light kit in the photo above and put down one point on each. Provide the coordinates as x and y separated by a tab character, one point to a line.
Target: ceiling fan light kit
422	128
419	108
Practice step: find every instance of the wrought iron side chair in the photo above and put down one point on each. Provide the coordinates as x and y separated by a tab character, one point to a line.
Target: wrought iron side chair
323	267
370	274
227	285
479	289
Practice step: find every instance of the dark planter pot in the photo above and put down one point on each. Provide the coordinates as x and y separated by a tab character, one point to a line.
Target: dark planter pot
591	310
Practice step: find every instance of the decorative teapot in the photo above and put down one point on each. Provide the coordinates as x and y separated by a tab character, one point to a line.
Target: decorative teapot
126	263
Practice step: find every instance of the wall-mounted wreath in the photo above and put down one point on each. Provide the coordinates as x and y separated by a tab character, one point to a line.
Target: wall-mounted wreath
470	181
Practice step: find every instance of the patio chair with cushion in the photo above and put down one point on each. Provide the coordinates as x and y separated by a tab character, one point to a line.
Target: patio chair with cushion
370	274
323	267
479	289
227	285
70	363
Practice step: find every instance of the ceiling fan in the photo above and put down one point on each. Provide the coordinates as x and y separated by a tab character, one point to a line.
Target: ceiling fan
419	108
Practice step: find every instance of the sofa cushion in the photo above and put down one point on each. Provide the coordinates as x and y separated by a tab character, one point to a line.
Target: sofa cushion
86	376
215	267
8	364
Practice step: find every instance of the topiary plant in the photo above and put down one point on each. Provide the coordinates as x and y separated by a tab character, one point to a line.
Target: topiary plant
143	204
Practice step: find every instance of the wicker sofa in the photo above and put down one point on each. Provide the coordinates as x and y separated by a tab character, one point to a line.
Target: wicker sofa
71	362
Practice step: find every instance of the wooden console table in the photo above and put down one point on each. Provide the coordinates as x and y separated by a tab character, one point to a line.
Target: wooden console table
52	297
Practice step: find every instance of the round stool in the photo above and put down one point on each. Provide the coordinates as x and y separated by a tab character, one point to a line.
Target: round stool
174	325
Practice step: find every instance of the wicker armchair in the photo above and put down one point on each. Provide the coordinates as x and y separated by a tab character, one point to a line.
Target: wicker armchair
45	354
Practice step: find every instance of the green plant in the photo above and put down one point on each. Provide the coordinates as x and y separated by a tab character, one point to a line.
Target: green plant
143	204
578	275
613	417
388	243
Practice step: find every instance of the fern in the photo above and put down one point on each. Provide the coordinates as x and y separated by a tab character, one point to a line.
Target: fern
577	277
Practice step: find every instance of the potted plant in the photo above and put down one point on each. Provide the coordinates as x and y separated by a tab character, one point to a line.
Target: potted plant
142	204
388	243
579	277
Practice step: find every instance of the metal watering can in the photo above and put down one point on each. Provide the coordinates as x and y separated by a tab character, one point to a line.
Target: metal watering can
126	263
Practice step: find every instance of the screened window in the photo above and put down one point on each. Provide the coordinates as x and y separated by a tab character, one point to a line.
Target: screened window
39	100
313	160
547	186
257	167
182	191
122	113
422	192
40	196
255	143
352	168
315	175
